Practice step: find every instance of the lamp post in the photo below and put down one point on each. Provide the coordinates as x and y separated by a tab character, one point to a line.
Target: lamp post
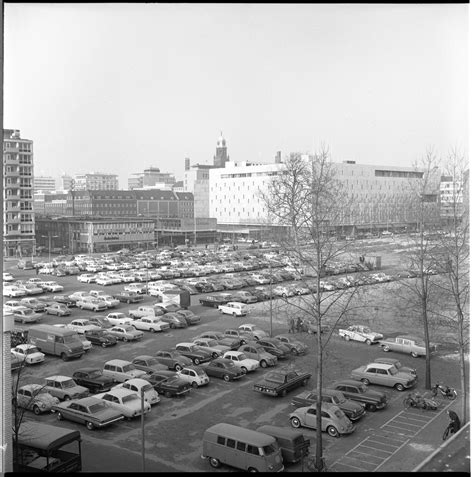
49	237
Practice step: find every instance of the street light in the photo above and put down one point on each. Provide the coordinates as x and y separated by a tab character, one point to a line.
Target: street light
49	237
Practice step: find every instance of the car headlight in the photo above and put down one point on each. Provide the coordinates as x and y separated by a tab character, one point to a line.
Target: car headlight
42	405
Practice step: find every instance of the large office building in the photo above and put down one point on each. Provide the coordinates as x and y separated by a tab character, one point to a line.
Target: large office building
95	181
454	196
18	213
44	184
151	177
380	197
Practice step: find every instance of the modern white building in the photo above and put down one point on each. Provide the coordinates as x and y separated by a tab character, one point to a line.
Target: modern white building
96	181
44	184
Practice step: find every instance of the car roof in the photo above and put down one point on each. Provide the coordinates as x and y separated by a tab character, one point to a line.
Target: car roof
186	343
137	381
25	346
59	378
382	365
118	362
352	382
87	370
144	356
31	386
120	392
89	400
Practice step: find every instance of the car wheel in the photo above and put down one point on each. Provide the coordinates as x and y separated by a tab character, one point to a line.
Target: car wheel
194	384
295	422
178	367
125	339
63	356
371	407
226	378
346	337
386	349
90	426
214	462
234	314
244	370
104	345
283	393
332	431
59	416
67	398
172	326
414	354
36	410
399	387
365	381
304	382
151	330
168	394
196	361
368	342
252	469
263	363
294	351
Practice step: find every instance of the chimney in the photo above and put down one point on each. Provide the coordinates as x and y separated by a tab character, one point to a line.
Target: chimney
278	157
186	163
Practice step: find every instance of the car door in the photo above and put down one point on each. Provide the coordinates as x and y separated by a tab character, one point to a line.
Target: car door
310	418
384	378
23	398
373	376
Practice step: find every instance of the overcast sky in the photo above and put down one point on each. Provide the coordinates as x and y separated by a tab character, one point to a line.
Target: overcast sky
119	87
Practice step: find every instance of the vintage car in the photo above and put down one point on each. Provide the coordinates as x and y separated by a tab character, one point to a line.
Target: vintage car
81	325
128	297
360	333
101	321
384	375
125	333
358	391
125	401
213	301
35	398
139	385
257	332
279	382
189	316
52	287
241	360
407	344
58	309
64	388
118	318
194	375
196	354
32	303
333	420
26	315
13	291
28	353
168	383
255	351
397	364
89	303
232	343
224	369
149	364
100	337
211	346
91	411
296	347
86	278
173	359
352	409
275	347
150	323
121	370
65	300
174	320
109	300
243	336
93	379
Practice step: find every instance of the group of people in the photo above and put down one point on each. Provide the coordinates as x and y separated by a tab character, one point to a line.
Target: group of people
295	325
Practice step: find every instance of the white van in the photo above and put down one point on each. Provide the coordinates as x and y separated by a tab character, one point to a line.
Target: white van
234	308
242	448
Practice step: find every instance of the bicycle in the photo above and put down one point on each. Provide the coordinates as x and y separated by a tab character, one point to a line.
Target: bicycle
446	391
447	432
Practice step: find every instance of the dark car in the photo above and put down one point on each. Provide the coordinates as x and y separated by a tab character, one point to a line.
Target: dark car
173	359
64	299
100	321
168	383
358	391
174	320
260	293
213	301
197	354
93	379
352	409
149	364
224	369
189	316
128	297
275	347
100	337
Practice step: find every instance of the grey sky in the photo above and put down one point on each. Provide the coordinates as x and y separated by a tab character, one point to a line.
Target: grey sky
119	87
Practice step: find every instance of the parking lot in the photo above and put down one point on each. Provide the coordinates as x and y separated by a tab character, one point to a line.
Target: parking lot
174	427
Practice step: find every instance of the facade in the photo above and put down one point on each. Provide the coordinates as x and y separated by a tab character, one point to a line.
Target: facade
381	197
221	156
106	203
53	204
151	177
66	182
18	212
90	235
453	195
164	204
196	181
44	184
95	181
185	231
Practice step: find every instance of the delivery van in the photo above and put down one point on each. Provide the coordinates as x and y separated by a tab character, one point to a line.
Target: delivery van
234	308
241	448
57	341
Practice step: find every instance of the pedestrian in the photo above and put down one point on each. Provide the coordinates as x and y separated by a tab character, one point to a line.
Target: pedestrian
299	323
291	325
37	270
455	423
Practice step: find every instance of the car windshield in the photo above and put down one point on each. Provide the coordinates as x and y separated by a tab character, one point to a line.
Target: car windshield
97	407
95	374
147	387
152	361
130	397
240	357
362	388
199	372
219	336
269	449
128	328
70	338
128	367
32	350
28	311
68	384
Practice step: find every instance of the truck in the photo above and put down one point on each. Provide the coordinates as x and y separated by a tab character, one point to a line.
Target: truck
407	344
279	382
181	298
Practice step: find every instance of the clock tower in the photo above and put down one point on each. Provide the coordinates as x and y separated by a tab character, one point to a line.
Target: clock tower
221	156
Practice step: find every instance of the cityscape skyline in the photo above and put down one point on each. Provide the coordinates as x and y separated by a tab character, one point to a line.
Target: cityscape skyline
270	77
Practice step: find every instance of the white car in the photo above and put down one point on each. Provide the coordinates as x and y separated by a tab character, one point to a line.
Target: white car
150	323
86	278
11	305
212	346
13	291
193	375
240	359
90	303
254	329
26	315
78	295
360	333
31	289
97	293
82	325
135	287
105	281
28	353
125	401
109	300
8	277
137	385
234	308
127	277
52	287
118	318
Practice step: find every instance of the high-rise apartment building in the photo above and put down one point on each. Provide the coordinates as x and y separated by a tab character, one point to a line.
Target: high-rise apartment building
44	184
95	181
151	177
18	213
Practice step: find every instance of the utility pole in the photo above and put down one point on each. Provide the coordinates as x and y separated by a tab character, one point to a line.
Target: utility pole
142	396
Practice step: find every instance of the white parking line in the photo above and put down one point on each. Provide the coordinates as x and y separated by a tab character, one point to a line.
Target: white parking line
376	448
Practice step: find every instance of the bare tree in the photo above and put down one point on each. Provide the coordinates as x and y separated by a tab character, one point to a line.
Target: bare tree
308	200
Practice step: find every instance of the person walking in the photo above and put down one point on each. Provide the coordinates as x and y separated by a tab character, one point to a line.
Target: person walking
299	323
291	325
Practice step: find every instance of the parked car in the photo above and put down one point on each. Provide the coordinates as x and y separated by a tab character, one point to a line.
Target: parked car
244	296
360	333
213	301
255	351
125	402
150	323
93	379
397	364
194	375
125	333
100	337
26	315
13	291
333	420
193	352
279	382
91	411
79	295
173	359
296	347
86	278
241	360
100	321
128	297
234	308
359	392
109	300
58	309
149	364
224	369
52	287
121	370
8	277
93	304
384	375
28	353
168	383
211	346
33	303
35	398
189	316
65	300
407	344
118	318
221	339
254	330
64	388
81	325
139	386
174	320
275	347
31	289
